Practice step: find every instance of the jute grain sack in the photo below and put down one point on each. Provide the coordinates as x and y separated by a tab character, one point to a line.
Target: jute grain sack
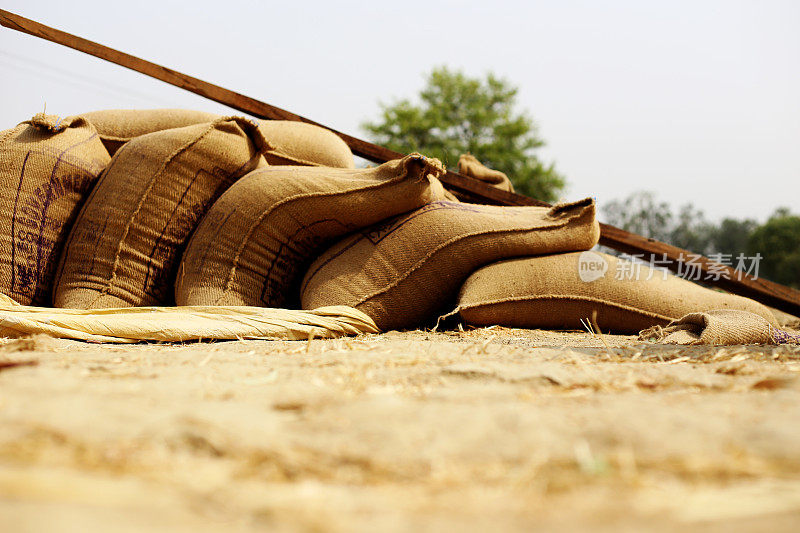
721	327
297	143
289	143
259	237
127	240
118	126
468	165
48	166
557	291
404	270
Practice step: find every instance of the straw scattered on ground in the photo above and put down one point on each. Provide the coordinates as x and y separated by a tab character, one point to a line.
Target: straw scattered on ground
486	428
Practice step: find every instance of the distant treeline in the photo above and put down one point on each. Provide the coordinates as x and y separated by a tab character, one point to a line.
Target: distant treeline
777	240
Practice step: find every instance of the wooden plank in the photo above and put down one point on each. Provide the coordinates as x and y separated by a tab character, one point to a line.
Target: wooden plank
767	292
238	101
723	276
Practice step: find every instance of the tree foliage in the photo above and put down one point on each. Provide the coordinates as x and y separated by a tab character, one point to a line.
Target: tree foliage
777	241
641	213
732	236
459	114
686	227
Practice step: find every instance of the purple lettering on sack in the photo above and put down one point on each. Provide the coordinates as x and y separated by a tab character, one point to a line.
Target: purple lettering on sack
165	253
14	223
291	258
35	235
42	252
168	246
175	231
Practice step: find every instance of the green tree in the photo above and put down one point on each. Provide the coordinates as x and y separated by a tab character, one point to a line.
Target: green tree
458	114
641	213
692	231
686	228
731	236
778	242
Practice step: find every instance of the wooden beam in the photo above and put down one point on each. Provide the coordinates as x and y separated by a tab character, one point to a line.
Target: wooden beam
238	101
712	273
767	292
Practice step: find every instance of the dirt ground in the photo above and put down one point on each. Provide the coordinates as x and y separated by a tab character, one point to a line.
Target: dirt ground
493	428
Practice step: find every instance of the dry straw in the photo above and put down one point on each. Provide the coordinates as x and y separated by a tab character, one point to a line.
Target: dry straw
180	324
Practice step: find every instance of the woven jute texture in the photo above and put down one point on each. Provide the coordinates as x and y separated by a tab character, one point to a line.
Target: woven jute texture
721	327
289	142
559	291
48	165
468	165
118	126
125	246
298	143
402	271
254	244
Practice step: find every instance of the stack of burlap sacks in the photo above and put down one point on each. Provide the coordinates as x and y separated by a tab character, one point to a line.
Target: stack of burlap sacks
115	209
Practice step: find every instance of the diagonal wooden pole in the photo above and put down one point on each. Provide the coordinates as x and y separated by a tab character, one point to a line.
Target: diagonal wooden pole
238	101
676	259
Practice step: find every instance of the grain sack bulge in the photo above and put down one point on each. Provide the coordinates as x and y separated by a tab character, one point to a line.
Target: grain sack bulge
48	165
255	242
468	165
298	143
126	243
118	126
401	272
289	143
557	291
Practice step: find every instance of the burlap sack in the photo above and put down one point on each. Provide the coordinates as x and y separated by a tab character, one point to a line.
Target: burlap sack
259	237
125	245
48	166
468	165
297	143
289	143
118	126
720	327
557	291
402	271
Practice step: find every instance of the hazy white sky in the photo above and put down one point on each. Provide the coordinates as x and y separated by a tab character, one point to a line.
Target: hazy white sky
695	100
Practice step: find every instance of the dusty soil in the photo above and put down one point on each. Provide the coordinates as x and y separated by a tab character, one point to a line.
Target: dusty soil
492	428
